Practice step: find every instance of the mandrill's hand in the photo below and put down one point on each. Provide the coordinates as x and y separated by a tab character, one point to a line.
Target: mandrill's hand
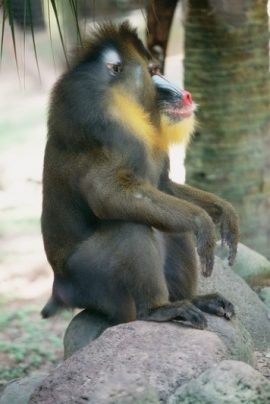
229	229
206	242
220	211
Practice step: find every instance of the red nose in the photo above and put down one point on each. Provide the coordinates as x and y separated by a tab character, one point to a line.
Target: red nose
187	98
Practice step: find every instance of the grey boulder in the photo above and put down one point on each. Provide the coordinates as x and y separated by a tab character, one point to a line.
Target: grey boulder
250	310
143	360
229	382
19	391
248	264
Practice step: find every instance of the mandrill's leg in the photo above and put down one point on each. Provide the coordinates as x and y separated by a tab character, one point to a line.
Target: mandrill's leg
119	272
183	311
181	268
181	282
122	275
215	304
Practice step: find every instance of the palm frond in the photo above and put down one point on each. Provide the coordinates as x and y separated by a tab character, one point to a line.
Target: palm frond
8	9
74	9
50	33
29	6
53	3
2	33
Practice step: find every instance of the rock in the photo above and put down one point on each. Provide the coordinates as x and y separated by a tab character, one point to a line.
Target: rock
235	337
250	265
228	382
250	310
264	295
143	360
84	328
20	390
262	363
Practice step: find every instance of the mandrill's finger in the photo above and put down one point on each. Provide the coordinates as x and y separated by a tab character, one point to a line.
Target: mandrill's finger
231	240
222	234
207	263
203	266
232	253
230	233
230	236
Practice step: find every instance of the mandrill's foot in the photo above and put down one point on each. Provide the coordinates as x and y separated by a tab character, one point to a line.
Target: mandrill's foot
215	304
183	311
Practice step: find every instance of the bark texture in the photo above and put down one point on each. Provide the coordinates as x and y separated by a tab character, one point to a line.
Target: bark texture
159	20
227	71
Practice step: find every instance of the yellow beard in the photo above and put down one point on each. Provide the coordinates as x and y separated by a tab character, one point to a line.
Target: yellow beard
133	117
179	132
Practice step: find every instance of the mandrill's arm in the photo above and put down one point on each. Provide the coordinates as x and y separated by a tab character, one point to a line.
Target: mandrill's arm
218	209
119	195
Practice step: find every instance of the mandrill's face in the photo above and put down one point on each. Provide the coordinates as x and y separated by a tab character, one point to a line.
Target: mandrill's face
120	72
174	103
127	67
135	72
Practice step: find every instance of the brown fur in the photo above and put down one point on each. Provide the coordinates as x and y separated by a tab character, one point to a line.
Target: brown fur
117	232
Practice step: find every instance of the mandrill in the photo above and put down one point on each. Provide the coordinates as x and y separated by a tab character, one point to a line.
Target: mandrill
121	237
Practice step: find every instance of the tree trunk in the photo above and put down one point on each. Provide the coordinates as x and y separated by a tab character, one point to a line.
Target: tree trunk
227	71
159	20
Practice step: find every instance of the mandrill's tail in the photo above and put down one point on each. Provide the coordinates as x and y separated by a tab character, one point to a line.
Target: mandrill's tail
51	308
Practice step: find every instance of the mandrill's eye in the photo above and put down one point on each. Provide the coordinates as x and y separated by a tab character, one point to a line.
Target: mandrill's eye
115	68
113	61
154	68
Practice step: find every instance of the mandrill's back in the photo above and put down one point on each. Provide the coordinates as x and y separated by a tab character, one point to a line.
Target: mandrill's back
66	218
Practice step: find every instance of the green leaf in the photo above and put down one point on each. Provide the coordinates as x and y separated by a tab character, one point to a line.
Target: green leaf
2	32
53	3
74	9
29	6
50	32
9	10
